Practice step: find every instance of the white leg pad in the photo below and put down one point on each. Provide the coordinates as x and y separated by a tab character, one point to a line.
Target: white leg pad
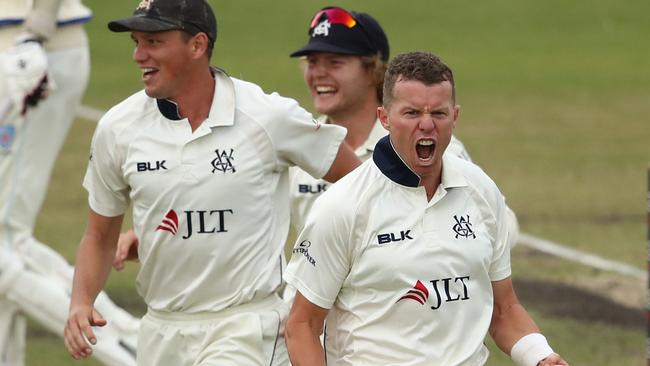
45	301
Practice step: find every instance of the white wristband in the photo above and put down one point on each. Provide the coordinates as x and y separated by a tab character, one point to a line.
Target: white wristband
530	349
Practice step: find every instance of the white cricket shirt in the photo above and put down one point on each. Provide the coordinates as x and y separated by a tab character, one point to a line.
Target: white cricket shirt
407	281
210	207
304	189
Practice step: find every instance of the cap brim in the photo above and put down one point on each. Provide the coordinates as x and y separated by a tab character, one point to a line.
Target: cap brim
325	47
141	24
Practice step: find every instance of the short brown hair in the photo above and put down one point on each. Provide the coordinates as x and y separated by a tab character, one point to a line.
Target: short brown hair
419	66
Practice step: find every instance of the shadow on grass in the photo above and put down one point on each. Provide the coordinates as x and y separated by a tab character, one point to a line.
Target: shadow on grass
565	301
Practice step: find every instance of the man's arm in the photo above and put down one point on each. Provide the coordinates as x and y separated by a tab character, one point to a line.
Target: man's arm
93	265
304	326
127	249
346	160
511	322
41	20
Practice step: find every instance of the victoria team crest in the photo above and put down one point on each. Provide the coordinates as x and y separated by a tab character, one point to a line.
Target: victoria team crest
463	227
223	162
322	29
145	5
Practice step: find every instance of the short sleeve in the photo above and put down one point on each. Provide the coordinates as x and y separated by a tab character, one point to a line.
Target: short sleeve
301	140
500	266
321	258
108	192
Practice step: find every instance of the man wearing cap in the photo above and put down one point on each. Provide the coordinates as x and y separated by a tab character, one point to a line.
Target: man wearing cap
344	64
345	61
203	158
408	255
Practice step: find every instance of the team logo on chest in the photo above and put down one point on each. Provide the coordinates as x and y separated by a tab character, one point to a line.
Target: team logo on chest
223	162
463	227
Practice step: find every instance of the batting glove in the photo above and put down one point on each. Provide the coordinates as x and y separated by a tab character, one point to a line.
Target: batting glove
23	69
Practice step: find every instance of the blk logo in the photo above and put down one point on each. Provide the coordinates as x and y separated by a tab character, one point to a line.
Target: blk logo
312	188
322	29
463	227
223	162
447	290
200	222
149	166
391	237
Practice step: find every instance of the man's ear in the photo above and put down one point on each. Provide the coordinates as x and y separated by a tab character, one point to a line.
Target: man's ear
199	44
382	115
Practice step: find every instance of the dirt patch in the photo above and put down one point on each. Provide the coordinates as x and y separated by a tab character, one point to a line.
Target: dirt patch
568	301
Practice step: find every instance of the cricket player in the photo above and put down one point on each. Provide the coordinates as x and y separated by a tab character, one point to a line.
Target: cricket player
345	60
44	67
203	158
408	255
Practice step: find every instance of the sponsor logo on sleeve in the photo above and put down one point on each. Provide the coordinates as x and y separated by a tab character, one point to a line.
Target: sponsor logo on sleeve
303	249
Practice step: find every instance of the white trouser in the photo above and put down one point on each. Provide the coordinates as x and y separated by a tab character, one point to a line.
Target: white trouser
35	280
249	334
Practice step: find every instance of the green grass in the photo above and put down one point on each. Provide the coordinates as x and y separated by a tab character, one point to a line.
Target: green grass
554	99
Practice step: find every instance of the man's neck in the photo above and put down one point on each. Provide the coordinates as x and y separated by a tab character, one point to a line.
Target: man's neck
194	103
431	182
359	123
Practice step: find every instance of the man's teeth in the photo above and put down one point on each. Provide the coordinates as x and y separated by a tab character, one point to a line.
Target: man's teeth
425	142
325	89
146	70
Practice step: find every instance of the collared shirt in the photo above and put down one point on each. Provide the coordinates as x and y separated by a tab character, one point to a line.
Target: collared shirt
304	189
407	281
210	206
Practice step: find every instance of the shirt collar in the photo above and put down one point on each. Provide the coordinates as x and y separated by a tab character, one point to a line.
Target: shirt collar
452	176
393	167
222	111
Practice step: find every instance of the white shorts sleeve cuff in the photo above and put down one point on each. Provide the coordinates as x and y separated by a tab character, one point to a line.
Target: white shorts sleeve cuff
530	349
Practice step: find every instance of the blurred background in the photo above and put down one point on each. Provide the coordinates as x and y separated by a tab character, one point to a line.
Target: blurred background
555	99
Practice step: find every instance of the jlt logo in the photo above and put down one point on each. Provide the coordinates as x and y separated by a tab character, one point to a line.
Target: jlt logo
391	237
209	222
463	227
309	188
322	29
447	290
151	166
223	161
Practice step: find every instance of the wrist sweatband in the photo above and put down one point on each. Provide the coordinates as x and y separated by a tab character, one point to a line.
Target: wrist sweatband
530	349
